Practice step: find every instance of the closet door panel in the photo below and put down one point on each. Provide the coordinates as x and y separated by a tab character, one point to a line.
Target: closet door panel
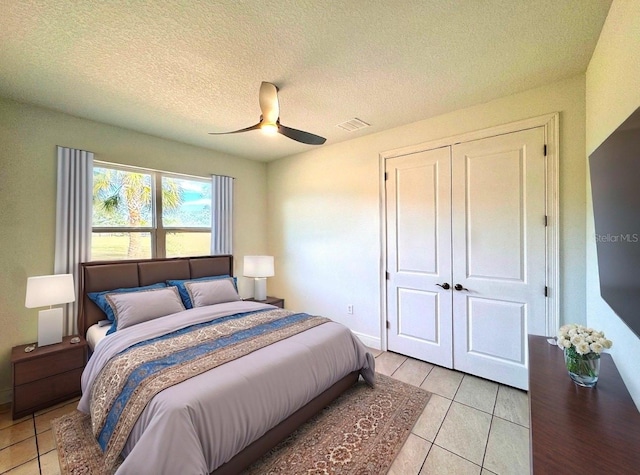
419	255
498	209
483	341
494	214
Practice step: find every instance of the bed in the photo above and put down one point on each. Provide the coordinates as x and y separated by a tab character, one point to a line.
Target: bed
243	396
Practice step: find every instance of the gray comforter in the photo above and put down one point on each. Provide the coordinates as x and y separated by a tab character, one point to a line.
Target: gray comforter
197	425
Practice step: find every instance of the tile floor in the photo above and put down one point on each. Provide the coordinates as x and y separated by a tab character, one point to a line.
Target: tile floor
470	426
27	446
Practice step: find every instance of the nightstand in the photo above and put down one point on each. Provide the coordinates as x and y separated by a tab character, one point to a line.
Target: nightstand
278	302
47	375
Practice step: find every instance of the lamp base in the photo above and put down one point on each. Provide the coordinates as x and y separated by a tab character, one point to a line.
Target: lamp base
49	326
260	288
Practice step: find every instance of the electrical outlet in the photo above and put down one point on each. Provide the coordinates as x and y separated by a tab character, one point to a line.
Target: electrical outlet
350	309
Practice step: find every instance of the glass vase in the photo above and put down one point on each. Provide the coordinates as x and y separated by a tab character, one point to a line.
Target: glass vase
583	369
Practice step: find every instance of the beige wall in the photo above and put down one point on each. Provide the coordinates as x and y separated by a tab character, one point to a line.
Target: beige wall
28	139
612	94
324	208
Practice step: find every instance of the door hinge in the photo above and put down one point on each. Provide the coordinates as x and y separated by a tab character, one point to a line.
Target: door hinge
545	150
546	291
386	176
546	220
387	276
388	324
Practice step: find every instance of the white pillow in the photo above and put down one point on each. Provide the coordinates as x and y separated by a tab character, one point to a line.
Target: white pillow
211	292
131	308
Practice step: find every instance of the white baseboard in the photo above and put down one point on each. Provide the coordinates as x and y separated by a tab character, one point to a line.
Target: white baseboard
368	340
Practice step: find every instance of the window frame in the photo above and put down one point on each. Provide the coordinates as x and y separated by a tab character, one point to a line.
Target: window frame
157	230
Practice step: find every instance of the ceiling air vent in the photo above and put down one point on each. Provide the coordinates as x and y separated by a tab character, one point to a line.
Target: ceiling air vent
353	124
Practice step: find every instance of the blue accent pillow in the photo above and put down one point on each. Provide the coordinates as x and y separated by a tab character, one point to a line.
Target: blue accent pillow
100	299
184	293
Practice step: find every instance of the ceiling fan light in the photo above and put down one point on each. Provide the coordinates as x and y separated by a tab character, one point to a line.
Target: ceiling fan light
269	129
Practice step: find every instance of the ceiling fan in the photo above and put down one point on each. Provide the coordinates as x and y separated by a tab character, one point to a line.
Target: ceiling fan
270	119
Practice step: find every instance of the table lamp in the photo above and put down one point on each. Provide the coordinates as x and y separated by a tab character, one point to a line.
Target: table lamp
48	290
259	267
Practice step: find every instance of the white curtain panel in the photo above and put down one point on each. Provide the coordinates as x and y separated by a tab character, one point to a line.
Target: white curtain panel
73	221
221	215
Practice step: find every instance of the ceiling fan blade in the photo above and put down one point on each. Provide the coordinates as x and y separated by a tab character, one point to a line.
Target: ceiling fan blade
269	102
253	127
301	136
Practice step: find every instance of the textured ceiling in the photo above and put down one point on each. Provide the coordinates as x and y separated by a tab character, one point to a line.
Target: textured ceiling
179	69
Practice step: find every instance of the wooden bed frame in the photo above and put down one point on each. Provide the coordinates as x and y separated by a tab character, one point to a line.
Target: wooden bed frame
107	275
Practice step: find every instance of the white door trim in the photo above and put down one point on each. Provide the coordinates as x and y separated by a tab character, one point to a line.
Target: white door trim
551	126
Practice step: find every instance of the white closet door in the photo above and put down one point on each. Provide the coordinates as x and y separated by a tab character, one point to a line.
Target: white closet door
419	255
498	222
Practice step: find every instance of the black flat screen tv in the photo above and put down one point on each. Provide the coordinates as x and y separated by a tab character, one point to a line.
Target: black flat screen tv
614	169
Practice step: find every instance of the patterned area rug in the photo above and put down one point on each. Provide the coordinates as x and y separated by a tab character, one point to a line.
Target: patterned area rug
361	432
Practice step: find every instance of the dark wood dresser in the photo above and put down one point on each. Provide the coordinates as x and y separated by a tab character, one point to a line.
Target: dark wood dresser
596	430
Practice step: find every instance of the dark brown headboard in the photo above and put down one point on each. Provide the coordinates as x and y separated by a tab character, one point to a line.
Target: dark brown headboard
107	275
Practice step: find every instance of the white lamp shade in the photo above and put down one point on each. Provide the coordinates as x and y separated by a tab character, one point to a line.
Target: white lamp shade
46	290
258	266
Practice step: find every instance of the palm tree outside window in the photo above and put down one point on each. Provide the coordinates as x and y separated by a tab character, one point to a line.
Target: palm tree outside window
140	213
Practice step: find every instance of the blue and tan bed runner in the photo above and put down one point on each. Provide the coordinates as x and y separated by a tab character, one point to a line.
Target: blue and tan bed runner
130	379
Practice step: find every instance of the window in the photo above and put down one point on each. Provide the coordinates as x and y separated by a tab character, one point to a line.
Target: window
140	213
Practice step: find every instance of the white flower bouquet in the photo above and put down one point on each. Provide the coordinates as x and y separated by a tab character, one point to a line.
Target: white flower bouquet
582	348
582	340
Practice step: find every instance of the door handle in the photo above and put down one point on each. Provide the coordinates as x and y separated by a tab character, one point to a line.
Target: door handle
445	286
460	287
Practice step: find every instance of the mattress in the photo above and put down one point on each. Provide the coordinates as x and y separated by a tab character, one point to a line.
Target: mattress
95	334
